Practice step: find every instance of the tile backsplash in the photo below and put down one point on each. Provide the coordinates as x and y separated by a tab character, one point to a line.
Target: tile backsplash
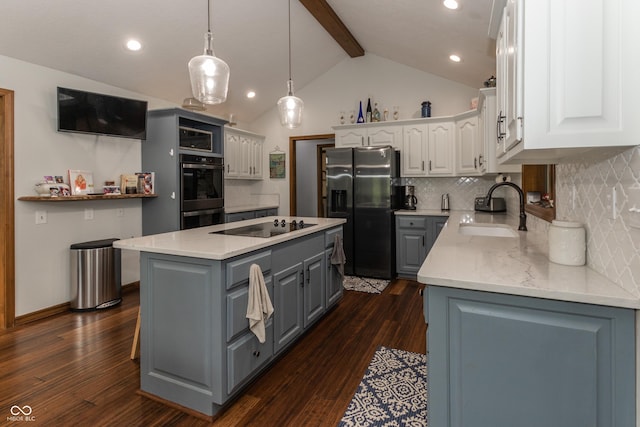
462	191
585	193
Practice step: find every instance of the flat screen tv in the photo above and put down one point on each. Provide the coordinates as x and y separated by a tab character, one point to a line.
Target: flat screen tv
94	113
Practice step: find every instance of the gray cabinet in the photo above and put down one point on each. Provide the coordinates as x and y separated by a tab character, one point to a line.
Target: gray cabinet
197	349
241	216
415	235
504	360
299	288
161	154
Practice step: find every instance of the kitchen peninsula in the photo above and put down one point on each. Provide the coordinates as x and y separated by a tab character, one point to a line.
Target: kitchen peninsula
515	338
196	347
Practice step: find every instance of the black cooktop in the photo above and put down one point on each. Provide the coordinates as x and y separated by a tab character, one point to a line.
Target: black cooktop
265	229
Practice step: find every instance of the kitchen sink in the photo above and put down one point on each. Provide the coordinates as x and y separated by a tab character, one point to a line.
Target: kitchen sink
490	230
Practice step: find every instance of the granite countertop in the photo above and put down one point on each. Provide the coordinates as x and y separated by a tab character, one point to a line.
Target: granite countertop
198	243
517	266
246	208
422	212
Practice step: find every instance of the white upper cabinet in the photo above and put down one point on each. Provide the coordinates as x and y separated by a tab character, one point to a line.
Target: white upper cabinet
441	149
414	150
469	153
487	130
243	154
567	78
428	149
371	136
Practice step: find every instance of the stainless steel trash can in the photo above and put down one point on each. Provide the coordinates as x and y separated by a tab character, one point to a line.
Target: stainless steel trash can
95	275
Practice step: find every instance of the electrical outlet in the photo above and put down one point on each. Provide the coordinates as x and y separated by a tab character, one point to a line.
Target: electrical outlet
120	212
88	214
41	217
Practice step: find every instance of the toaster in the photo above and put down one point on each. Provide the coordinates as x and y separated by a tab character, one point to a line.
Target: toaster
497	204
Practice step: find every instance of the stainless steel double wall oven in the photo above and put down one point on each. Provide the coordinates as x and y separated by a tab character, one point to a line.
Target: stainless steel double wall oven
201	181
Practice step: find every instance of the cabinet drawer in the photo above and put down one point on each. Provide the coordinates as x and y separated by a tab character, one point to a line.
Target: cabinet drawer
412	222
238	270
246	356
237	301
329	236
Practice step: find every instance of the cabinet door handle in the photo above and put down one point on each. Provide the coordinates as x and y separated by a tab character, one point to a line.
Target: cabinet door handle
228	166
423	165
475	163
423	240
362	140
302	278
429	165
368	140
501	120
256	353
480	162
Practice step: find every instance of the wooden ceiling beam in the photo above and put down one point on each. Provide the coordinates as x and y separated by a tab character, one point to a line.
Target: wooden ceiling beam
332	23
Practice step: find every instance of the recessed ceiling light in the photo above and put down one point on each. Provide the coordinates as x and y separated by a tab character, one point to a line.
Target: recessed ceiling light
251	94
133	45
450	4
455	58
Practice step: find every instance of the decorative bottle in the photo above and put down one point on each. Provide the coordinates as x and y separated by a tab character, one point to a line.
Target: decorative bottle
360	117
376	113
369	110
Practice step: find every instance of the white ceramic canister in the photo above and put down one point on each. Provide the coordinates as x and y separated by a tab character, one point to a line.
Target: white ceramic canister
567	243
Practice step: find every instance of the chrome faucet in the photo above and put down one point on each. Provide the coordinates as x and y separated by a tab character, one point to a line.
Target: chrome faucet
523	216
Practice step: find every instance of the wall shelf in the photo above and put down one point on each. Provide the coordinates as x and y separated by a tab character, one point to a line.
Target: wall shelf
85	197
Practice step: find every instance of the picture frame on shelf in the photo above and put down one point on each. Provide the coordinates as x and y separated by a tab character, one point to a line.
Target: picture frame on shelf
81	182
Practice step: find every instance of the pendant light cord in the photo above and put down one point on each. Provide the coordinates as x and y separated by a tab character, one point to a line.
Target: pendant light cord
209	15
289	39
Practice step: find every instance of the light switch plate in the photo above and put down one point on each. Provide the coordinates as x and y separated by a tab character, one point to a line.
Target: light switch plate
88	214
41	217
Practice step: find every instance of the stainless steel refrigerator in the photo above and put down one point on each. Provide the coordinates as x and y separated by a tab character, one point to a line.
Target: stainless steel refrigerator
361	187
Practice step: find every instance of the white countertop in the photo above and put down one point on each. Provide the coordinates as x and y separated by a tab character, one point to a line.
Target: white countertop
517	266
198	243
246	208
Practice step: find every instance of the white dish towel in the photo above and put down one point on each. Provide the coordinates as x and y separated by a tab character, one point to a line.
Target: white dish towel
259	307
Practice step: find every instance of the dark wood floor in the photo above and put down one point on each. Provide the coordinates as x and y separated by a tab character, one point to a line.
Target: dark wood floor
74	369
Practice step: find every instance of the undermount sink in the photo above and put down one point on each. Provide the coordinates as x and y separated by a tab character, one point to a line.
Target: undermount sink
490	230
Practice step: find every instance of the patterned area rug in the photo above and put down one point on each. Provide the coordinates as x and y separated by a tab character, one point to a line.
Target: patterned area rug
393	392
364	284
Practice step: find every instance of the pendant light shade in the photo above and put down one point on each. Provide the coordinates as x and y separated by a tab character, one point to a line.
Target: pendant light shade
290	107
209	75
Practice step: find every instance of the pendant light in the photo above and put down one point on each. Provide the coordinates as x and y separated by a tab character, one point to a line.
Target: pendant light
209	75
290	107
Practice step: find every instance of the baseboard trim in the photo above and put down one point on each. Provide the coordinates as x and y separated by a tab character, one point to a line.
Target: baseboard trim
63	308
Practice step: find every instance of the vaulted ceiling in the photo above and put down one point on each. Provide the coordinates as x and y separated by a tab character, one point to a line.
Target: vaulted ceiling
87	38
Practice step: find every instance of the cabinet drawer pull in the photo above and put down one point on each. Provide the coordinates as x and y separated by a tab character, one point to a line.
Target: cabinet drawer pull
256	353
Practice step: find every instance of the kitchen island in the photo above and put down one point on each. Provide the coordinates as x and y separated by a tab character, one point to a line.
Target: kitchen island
514	339
197	350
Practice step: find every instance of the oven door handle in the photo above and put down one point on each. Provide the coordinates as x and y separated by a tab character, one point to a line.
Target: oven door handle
200	166
202	212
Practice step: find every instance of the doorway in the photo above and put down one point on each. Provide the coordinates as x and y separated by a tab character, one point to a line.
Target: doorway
7	214
306	172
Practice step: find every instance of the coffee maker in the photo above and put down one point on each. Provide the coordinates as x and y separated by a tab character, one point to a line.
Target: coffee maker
410	200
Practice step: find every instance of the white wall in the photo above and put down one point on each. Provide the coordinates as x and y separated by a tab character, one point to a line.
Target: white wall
42	251
340	89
